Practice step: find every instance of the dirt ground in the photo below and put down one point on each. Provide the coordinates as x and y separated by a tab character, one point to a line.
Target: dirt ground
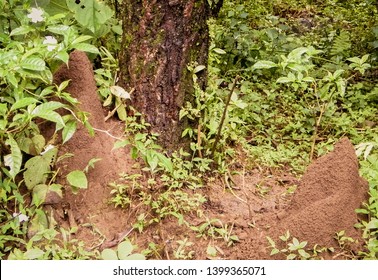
259	204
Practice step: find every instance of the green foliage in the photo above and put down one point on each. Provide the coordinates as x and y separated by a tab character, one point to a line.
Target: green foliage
123	252
369	170
295	249
32	45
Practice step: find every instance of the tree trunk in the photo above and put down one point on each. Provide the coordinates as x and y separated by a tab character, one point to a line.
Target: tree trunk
161	38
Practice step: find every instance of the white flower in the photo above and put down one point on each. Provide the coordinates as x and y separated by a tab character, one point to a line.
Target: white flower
51	42
21	217
36	15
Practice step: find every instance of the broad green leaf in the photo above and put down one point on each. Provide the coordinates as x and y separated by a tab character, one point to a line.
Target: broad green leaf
304	254
165	162
85	48
297	52
14	159
38	168
3	124
33	63
34	253
199	68
52	116
120	92
121	111
81	39
90	13
12	79
152	159
264	64
211	251
3	109
124	249
364	58
32	146
284	80
39	143
63	56
23	102
56	7
69	130
219	51
77	179
120	144
355	59
47	107
58	29
38	223
21	30
39	194
373	224
108	254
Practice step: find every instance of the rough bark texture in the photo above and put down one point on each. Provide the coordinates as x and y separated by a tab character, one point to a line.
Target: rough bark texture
160	39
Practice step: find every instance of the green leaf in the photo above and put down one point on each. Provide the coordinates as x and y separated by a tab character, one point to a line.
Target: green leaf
77	179
34	253
38	223
120	144
297	53
120	92
63	56
33	63
81	39
55	7
124	249
165	162
121	110
284	80
47	107
23	102
152	159
38	168
46	111
69	130
39	194
52	116
373	224
90	14
14	159
85	48
108	254
219	51
264	64
211	251
21	30
304	254
199	68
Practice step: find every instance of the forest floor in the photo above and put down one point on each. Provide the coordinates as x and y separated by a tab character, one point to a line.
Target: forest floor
260	203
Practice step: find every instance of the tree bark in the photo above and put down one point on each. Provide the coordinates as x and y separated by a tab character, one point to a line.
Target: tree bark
161	38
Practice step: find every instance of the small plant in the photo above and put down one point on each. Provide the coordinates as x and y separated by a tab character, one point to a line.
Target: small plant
214	228
181	252
153	250
295	249
123	252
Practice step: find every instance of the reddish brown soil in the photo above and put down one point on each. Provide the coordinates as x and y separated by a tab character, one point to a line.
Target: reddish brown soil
254	206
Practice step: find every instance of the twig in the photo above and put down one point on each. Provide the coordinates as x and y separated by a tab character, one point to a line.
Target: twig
224	116
107	133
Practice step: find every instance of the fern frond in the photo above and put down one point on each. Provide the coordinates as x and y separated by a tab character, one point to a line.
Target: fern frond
341	44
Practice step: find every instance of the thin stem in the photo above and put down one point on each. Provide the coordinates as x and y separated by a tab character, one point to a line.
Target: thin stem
223	116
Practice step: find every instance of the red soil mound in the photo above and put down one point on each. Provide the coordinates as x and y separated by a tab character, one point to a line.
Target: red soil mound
325	203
